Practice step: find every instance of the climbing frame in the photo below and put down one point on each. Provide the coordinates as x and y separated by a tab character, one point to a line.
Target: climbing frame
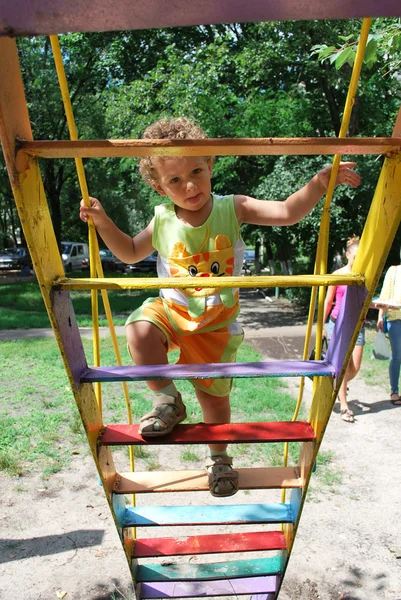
258	577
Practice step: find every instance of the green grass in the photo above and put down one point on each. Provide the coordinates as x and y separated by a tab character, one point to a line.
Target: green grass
16	297
327	476
373	371
40	429
189	455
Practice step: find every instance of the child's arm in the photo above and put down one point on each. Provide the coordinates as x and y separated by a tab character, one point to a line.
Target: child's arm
298	205
126	248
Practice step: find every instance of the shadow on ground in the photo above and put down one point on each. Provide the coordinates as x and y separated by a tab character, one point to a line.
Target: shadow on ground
17	549
259	312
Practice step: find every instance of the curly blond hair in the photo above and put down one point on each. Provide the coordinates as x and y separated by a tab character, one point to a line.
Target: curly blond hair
179	128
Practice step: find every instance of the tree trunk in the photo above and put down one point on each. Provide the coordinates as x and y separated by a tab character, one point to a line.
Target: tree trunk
53	190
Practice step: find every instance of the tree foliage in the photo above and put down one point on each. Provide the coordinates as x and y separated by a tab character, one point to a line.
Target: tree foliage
278	79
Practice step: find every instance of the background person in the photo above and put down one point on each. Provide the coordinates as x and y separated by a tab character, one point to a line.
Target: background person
335	295
391	293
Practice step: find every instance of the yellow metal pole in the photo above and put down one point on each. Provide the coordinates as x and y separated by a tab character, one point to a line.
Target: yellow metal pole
85	195
96	269
323	240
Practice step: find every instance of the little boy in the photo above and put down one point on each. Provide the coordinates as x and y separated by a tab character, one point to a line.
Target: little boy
196	235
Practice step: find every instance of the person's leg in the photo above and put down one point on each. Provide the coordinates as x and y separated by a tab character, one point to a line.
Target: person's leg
215	410
356	361
345	412
394	333
213	395
223	480
148	346
352	370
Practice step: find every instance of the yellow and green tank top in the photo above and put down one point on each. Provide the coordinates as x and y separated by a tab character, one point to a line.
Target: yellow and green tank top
214	249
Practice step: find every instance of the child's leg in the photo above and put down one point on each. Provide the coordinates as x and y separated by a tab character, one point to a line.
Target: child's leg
223	481
148	346
215	409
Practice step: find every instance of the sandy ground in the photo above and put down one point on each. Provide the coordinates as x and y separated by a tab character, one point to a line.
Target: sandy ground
57	540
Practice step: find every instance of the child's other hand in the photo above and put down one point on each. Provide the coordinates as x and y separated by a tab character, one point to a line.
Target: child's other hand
95	211
346	174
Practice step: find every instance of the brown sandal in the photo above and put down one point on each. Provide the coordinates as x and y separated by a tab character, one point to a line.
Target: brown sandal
223	480
347	415
395	399
167	412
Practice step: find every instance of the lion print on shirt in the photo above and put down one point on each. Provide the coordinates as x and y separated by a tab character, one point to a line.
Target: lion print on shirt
204	264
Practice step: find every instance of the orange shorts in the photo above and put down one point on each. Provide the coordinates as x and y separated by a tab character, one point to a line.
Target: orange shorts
219	345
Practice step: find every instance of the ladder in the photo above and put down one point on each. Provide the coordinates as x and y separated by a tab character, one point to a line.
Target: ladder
274	525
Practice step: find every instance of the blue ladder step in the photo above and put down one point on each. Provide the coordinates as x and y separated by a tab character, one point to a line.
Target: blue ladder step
201	433
230	514
209	589
273	565
290	368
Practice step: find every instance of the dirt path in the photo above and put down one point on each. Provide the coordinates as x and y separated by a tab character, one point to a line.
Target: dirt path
60	539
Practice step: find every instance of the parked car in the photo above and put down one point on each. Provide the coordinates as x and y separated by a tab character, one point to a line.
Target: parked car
15	259
147	265
249	260
75	256
110	262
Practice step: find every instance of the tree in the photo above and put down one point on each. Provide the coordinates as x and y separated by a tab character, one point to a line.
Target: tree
237	80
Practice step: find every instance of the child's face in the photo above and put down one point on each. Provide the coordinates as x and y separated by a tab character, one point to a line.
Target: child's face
185	180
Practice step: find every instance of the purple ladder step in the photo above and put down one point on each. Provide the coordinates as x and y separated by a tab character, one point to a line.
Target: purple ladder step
290	368
209	589
279	431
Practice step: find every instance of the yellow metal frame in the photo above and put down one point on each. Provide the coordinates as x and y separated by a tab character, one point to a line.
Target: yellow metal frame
21	153
35	218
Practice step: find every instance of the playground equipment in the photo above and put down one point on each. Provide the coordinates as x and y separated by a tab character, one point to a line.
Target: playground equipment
261	577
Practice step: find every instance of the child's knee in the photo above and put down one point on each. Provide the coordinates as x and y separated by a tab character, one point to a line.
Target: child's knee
142	333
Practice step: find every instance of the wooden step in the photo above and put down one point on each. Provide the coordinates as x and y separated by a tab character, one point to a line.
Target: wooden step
197	480
227	514
209	589
272	565
281	431
255	541
290	368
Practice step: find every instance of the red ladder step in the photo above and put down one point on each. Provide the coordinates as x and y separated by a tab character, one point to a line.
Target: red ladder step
281	431
209	544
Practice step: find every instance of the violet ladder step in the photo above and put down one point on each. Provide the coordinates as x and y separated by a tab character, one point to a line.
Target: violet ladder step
289	368
208	589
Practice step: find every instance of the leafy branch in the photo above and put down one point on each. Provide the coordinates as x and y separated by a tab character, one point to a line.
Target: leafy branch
386	43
